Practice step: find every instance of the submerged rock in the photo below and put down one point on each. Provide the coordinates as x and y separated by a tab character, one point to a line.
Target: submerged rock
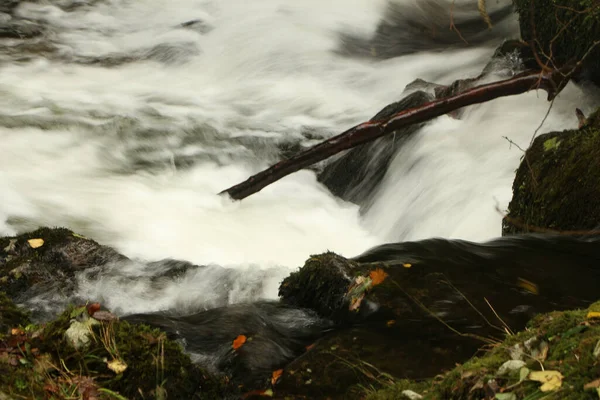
355	174
425	26
274	334
557	186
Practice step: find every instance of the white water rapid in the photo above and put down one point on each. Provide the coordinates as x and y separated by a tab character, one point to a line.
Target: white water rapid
127	131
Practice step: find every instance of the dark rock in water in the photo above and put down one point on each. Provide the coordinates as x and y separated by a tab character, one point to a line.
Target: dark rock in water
21	29
44	262
275	334
7	6
407	29
557	186
343	363
172	53
563	271
167	53
410	310
356	173
197	25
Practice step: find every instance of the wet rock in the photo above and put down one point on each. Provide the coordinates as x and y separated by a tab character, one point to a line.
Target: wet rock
7	6
274	335
411	310
355	174
407	29
21	29
343	363
43	263
557	185
430	278
197	25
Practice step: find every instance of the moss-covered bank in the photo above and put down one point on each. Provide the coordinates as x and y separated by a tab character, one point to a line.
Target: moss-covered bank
564	344
85	356
557	186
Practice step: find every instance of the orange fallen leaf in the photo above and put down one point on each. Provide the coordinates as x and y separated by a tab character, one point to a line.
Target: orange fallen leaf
377	276
92	308
309	347
238	342
276	376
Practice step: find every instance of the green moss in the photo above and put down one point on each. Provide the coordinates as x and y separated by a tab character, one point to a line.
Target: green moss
11	316
326	275
551	144
557	184
156	366
153	362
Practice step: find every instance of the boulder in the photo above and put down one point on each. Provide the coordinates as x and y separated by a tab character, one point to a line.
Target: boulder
557	186
564	32
42	264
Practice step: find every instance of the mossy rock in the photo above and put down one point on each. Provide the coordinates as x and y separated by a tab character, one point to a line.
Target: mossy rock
572	340
557	186
49	262
147	364
565	29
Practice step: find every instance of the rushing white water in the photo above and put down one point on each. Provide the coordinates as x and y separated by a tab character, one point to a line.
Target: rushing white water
133	154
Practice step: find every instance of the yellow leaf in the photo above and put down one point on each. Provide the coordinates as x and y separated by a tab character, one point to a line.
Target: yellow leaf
35	243
117	366
551	380
377	276
239	342
528	286
276	376
593	315
390	322
407	265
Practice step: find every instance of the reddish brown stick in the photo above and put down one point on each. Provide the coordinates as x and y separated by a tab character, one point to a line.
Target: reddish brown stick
551	81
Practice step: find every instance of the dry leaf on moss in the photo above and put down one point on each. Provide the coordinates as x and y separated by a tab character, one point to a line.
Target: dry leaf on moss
551	380
35	243
117	366
593	315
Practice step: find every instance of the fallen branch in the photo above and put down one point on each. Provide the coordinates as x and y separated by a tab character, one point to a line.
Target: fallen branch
551	81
